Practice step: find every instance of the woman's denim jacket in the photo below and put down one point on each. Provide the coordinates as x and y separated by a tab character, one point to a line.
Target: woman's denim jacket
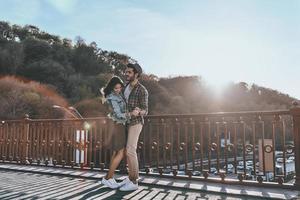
118	107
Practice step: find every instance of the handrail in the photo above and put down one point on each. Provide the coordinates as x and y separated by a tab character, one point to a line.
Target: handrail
213	114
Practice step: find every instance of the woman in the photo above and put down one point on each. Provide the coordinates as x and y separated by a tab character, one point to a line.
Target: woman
119	116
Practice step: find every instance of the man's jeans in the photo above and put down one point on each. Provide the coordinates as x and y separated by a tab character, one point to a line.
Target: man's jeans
132	160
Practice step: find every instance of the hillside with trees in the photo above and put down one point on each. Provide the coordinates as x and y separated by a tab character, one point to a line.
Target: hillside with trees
74	71
19	97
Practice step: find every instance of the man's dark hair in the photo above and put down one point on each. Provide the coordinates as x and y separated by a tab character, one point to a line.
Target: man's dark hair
111	85
137	69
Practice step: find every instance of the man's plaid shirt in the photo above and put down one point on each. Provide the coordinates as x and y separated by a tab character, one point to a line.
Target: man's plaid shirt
138	98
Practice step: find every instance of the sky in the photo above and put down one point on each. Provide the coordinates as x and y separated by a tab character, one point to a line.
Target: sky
254	41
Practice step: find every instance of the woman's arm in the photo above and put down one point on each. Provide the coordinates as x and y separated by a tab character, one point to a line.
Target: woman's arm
117	110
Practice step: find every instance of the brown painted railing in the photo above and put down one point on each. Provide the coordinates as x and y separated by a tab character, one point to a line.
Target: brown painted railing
260	148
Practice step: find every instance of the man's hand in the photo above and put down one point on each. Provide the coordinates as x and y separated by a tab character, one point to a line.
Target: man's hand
135	112
143	112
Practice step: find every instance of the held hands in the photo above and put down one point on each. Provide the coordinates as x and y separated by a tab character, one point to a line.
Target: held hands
136	112
142	112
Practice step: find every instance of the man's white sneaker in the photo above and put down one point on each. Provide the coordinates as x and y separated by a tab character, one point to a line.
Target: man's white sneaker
124	182
111	183
129	186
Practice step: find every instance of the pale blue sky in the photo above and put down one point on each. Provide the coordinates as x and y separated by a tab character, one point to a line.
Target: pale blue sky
256	41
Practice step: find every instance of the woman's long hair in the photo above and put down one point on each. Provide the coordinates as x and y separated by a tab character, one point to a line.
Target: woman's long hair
111	85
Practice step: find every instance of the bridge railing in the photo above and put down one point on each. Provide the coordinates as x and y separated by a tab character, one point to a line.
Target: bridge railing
255	148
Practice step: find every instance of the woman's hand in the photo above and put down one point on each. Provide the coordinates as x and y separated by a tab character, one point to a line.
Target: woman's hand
135	112
143	112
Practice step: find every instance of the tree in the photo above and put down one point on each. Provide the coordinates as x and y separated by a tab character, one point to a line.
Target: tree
46	71
19	98
20	33
5	31
11	58
35	50
86	61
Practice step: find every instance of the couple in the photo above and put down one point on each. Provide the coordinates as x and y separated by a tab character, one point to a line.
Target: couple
128	105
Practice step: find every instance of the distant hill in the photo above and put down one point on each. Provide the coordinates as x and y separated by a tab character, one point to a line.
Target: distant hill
76	70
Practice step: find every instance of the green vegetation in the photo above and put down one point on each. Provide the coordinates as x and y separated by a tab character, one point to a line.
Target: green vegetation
76	70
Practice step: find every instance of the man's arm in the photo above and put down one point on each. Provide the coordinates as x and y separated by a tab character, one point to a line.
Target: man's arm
143	99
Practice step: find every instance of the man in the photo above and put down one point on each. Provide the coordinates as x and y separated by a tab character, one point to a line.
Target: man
136	96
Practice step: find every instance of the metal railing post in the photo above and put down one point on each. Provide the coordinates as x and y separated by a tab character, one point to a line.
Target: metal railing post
295	112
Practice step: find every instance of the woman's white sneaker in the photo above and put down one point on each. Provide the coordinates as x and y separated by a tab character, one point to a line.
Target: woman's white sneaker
129	186
124	182
111	183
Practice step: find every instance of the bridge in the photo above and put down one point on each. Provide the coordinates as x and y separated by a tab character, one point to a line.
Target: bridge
244	149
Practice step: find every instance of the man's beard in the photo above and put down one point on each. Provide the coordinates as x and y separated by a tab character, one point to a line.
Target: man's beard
129	79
